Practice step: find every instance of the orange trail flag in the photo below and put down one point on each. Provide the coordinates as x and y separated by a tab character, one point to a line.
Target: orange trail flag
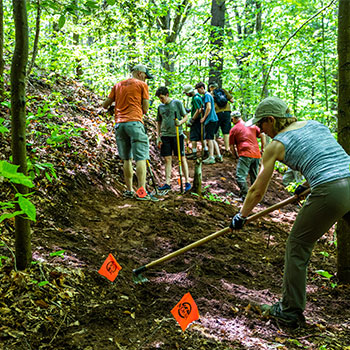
110	268
141	192
185	311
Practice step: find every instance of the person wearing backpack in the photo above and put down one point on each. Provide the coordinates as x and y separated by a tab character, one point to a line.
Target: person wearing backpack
222	100
209	120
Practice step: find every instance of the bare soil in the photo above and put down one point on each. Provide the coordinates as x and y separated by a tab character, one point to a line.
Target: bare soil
83	214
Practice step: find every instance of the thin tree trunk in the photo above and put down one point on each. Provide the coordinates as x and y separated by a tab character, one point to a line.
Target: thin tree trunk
36	39
343	227
216	60
18	104
2	62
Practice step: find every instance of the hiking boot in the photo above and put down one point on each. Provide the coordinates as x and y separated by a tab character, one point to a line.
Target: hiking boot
227	153
209	160
128	194
290	320
192	156
219	159
147	197
164	187
187	186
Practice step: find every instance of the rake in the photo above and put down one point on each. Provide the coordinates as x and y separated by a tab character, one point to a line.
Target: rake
137	273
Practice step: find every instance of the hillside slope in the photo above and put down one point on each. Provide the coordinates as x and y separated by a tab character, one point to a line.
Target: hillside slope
62	302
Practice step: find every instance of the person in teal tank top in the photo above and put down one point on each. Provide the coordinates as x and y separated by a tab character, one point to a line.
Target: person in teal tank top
310	148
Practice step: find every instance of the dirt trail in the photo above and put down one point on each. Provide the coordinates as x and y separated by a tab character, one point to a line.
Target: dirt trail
224	277
62	302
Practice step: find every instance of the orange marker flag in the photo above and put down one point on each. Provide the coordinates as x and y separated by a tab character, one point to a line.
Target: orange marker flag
141	192
110	268
185	311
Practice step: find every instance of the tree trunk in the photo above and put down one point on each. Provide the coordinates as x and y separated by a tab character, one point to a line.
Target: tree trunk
36	39
172	26
216	59
2	62
343	227
18	104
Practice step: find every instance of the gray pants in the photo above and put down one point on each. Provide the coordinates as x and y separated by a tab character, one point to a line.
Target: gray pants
326	204
246	166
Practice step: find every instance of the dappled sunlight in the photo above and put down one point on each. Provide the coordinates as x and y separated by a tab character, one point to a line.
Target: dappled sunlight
180	278
258	296
238	329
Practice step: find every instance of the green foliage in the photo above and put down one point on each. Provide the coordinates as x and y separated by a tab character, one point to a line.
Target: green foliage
61	134
36	168
59	253
3	128
9	172
328	276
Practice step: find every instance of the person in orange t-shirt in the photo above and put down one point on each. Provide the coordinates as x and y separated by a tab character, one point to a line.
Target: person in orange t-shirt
244	146
131	98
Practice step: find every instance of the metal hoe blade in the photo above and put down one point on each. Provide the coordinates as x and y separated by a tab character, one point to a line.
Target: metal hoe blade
137	275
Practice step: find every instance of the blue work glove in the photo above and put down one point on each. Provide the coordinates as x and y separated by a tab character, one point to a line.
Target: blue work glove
300	189
237	222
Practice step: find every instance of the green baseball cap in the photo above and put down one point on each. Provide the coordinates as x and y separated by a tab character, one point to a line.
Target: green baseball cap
270	106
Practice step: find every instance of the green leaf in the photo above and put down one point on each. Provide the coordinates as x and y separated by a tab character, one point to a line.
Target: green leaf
9	171
61	21
111	2
58	253
43	283
324	273
28	207
10	215
91	4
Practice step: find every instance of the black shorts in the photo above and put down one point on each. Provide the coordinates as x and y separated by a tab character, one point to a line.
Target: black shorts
169	146
224	122
209	130
195	131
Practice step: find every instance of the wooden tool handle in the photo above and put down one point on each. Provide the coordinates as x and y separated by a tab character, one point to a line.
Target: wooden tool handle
223	231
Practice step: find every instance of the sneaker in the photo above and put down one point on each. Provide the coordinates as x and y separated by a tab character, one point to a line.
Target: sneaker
187	186
192	156
219	159
147	197
209	160
275	311
164	187
128	194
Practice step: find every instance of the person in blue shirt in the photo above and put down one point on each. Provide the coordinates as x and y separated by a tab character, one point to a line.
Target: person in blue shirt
210	120
309	147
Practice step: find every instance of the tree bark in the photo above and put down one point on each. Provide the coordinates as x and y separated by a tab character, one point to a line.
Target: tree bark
18	104
2	62
172	26
216	60
343	227
36	39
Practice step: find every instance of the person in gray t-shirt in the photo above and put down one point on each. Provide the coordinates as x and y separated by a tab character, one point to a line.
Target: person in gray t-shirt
171	114
308	147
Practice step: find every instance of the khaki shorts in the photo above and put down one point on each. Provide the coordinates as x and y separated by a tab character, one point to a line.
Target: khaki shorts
132	141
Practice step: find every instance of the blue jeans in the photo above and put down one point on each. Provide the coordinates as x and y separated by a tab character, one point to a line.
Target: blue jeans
246	166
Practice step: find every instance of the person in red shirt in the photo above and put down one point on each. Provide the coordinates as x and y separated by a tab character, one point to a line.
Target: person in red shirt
244	146
131	98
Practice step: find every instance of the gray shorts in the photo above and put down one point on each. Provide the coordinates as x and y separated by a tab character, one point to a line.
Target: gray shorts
132	141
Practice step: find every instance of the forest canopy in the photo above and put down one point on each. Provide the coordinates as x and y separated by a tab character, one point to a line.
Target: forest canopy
97	41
